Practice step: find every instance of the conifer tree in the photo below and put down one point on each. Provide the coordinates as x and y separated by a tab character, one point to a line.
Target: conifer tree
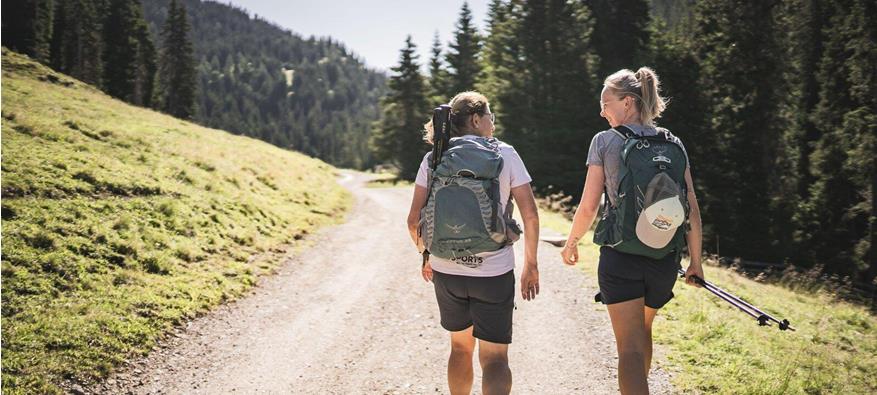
397	136
677	14
144	83
58	44
836	223
438	76
129	55
621	35
801	23
501	63
27	27
543	78
463	55
739	83
861	122
804	21
76	41
120	50
176	72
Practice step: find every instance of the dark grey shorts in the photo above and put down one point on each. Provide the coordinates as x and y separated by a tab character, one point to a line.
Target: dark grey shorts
624	277
486	303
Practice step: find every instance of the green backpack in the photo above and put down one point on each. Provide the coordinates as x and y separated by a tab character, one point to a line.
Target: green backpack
462	215
652	205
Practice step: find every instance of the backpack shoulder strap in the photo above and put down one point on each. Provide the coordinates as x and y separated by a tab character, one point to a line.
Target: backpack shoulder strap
626	135
624	132
621	135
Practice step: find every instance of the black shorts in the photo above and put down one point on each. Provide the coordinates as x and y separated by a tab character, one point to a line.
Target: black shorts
624	277
486	303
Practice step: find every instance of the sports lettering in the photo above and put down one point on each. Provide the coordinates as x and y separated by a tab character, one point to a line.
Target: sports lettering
469	261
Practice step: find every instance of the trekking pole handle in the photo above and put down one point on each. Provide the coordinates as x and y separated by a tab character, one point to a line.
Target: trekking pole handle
697	279
441	125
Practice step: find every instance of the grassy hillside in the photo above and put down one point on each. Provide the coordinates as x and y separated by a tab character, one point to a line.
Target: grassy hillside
119	222
713	348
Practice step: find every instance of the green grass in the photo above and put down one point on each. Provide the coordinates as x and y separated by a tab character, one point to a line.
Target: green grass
713	348
119	223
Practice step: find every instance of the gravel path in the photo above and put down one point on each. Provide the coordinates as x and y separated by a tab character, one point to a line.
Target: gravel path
351	315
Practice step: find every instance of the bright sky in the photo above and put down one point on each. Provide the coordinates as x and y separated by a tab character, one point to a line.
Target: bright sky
373	29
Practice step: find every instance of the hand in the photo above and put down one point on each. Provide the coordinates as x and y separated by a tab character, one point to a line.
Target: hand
426	271
570	254
530	281
694	269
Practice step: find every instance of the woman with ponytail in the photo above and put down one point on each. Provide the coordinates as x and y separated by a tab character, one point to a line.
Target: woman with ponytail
476	293
632	286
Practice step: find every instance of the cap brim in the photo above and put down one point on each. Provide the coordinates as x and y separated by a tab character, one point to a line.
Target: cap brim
651	236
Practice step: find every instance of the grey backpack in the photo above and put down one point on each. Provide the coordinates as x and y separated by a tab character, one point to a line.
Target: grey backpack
462	215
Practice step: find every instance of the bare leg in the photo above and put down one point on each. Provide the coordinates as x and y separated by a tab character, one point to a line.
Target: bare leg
460	362
630	338
497	377
649	318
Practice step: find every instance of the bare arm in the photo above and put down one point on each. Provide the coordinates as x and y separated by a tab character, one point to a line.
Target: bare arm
694	237
523	196
585	213
417	203
588	206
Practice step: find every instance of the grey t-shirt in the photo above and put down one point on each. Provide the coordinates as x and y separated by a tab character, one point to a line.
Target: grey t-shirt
605	151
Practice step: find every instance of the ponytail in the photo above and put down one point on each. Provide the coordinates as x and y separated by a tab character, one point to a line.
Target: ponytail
644	87
652	103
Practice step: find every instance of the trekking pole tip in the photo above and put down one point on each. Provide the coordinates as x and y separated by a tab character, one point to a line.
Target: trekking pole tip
762	320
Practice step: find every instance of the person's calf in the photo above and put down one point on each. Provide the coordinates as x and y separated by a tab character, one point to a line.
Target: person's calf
632	377
460	371
647	357
496	377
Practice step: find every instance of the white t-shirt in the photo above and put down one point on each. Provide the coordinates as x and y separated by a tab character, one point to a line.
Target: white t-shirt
493	263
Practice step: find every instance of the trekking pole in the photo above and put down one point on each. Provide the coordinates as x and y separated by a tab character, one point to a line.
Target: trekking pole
762	318
744	306
441	136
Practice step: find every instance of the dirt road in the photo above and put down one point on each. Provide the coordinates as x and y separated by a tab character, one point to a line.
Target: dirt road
352	315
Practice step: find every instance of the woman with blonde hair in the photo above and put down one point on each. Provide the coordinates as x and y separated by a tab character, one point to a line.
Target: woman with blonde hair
636	274
476	291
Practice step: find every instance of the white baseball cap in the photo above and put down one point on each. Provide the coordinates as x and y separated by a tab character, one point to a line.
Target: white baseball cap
658	222
663	212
